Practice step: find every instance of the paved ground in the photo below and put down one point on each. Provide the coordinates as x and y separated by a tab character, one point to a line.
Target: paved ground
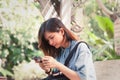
108	70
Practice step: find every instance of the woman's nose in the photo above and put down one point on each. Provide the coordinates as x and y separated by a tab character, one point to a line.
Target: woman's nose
51	42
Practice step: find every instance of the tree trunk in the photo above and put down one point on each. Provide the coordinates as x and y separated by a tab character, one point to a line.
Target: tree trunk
117	35
65	12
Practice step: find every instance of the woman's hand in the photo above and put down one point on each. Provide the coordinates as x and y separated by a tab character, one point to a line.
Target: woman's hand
44	68
49	62
39	61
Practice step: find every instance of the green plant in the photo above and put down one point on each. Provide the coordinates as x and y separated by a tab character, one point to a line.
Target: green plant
15	48
100	30
5	72
19	23
103	39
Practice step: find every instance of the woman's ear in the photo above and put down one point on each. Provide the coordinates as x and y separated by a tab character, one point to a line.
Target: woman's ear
61	31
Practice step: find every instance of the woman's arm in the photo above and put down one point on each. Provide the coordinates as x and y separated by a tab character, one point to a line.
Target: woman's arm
50	62
72	75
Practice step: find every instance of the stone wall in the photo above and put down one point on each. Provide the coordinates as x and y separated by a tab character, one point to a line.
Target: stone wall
108	70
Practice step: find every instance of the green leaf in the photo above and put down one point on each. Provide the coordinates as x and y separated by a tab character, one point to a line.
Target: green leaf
106	25
5	72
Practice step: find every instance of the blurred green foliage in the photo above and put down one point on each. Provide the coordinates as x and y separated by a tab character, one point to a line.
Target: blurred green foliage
100	31
19	24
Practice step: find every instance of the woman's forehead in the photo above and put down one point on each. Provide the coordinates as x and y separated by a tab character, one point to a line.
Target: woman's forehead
47	34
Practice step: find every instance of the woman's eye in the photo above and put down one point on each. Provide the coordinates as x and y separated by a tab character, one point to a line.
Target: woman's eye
52	37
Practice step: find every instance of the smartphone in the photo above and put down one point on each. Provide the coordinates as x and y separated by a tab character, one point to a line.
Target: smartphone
38	59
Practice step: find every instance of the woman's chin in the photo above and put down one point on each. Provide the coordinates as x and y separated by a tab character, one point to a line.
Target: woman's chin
56	47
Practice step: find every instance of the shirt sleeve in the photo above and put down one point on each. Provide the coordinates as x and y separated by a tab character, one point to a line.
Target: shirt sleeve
84	63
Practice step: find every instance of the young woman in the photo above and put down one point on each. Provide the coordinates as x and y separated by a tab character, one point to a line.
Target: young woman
56	42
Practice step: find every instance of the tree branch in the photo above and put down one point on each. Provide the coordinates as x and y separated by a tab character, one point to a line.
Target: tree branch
102	6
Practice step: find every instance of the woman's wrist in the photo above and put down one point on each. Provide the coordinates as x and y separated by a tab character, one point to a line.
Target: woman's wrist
58	66
48	71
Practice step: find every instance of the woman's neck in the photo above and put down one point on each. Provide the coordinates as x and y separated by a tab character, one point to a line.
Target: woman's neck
65	44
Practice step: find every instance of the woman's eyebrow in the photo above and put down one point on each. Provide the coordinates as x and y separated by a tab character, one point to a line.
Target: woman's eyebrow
49	36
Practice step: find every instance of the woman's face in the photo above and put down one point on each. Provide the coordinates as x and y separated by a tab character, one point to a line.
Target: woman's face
55	38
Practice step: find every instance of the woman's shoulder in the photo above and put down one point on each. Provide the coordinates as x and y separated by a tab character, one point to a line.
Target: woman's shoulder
79	43
82	44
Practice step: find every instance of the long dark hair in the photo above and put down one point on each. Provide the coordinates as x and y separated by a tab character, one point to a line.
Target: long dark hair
52	25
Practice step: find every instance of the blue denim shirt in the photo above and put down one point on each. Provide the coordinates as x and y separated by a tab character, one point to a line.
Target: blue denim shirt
81	61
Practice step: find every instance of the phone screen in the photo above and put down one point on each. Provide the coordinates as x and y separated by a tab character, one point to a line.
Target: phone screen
38	59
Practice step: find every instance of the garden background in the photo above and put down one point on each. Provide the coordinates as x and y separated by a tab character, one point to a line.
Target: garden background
19	24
